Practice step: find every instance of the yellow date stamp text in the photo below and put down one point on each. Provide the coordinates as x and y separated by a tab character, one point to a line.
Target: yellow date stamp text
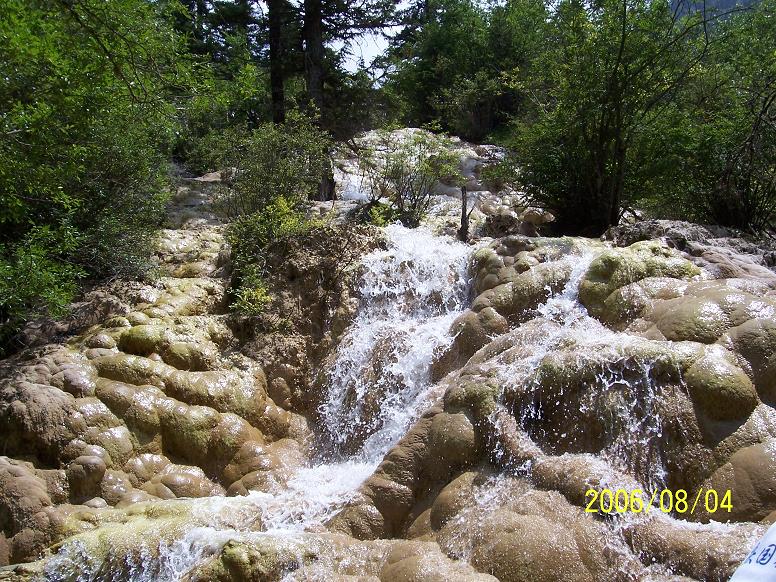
666	500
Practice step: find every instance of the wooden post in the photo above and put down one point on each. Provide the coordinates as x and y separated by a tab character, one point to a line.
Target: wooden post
463	232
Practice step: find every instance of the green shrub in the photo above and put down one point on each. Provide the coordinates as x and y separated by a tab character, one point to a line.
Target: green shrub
275	160
496	176
252	296
381	214
405	170
250	236
215	150
34	282
276	168
221	108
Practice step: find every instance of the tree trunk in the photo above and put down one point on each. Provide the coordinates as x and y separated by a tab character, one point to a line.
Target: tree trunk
313	68
275	8
199	21
313	52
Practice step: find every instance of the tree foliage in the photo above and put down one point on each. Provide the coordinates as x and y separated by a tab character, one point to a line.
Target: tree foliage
460	64
271	162
614	69
735	121
610	105
87	93
665	107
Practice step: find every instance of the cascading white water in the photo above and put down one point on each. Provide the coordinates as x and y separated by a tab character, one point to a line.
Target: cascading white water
624	388
410	295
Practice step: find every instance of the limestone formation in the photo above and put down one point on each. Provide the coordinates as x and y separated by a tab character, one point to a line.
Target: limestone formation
156	401
170	437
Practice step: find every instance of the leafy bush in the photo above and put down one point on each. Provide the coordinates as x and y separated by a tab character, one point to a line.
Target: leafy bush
33	281
736	147
215	149
85	131
276	168
463	63
221	109
252	296
405	168
381	214
275	160
249	237
497	176
611	73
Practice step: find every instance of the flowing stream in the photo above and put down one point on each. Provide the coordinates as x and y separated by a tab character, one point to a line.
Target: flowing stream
378	384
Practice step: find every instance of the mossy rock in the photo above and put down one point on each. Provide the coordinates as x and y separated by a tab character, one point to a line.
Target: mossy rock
615	268
144	339
755	341
259	560
477	398
453	440
719	388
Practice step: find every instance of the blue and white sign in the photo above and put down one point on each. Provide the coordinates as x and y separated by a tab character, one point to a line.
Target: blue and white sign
760	564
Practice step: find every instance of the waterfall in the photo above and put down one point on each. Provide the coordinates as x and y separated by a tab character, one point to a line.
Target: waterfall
379	383
621	396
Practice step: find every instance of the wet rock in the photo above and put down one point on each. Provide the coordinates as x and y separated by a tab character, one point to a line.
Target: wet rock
38	420
751	475
28	520
512	299
616	268
456	496
452	441
720	388
181	484
501	222
706	311
629	302
755	342
413	562
703	554
254	561
516	548
676	232
115	485
84	476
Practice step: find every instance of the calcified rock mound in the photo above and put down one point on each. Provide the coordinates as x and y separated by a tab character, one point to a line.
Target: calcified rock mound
162	399
722	252
377	423
581	366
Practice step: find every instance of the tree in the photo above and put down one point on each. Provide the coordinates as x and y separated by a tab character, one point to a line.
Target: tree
275	9
738	129
88	91
442	47
613	69
345	20
314	51
462	63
